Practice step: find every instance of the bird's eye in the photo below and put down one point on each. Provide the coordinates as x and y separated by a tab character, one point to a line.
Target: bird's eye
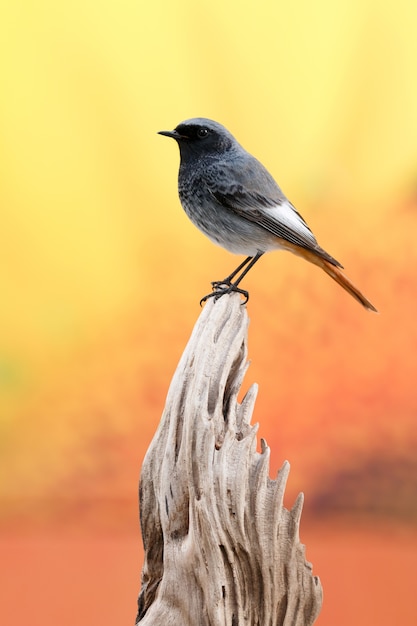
202	132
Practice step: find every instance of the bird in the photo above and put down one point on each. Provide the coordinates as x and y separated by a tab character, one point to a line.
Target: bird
233	199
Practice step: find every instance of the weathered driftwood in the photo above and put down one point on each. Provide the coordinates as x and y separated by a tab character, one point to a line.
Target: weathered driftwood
220	548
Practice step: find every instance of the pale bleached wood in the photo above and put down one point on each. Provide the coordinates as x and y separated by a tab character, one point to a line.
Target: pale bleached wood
220	548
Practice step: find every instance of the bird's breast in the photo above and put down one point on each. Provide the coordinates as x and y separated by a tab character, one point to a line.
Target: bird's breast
219	223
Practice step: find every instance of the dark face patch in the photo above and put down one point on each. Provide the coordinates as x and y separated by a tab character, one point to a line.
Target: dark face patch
201	138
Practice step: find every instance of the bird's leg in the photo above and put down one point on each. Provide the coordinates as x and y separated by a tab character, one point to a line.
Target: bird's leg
228	279
247	268
219	290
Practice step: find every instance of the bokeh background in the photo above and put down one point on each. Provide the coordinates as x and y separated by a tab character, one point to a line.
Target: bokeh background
101	274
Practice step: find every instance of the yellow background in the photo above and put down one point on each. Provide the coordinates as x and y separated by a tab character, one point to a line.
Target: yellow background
101	274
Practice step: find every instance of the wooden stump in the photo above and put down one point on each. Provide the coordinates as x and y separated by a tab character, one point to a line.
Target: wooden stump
220	548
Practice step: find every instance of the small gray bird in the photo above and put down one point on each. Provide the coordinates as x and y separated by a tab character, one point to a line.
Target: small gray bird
232	198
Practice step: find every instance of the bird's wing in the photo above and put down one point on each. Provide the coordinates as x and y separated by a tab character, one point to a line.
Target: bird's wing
271	211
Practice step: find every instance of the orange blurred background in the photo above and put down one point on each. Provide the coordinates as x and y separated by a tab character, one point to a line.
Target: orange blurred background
101	274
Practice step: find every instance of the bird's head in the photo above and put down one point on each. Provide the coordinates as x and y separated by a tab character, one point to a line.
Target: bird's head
198	137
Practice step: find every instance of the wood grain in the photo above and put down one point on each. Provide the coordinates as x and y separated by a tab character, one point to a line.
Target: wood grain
220	548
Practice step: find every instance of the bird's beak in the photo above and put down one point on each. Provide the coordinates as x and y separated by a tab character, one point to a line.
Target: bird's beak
171	133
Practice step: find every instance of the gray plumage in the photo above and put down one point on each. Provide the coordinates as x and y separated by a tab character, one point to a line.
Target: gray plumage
231	197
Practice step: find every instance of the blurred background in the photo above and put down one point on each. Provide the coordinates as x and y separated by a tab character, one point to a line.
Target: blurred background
101	274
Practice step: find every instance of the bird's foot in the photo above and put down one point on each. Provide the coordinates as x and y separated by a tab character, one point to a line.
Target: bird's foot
221	284
221	287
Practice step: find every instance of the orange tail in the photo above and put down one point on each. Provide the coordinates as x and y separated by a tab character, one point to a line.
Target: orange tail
337	275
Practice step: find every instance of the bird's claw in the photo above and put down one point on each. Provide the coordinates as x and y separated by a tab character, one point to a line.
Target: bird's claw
221	287
218	285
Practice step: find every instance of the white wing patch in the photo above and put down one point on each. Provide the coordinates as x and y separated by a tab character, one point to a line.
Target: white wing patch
288	216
